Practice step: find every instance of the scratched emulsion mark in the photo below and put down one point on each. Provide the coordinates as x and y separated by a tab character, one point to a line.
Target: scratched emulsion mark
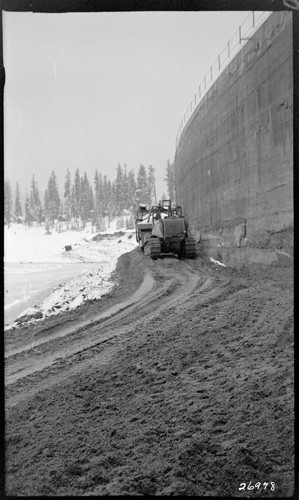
24	292
35	349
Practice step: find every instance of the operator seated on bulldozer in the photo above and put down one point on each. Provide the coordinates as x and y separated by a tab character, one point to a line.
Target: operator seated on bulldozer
158	213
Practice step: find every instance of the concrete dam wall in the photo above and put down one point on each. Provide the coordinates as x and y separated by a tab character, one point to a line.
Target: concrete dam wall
234	159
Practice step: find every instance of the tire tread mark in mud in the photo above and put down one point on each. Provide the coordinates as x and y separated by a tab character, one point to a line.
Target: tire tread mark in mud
52	375
72	330
174	293
187	286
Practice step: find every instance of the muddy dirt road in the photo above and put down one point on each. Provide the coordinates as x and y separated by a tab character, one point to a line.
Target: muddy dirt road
180	381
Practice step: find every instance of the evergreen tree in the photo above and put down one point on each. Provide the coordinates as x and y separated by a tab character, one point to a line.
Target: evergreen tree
91	205
73	202
76	195
110	206
97	190
8	202
18	205
68	195
35	203
32	196
106	194
52	200
119	190
170	180
151	182
38	205
98	209
112	200
84	195
142	186
27	208
102	201
126	198
131	190
102	205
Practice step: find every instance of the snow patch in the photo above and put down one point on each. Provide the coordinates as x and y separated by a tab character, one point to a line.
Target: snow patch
217	262
87	286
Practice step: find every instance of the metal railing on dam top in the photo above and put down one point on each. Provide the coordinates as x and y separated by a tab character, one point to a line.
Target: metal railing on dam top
250	24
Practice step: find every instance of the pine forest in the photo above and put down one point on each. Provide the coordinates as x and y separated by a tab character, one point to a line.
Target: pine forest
81	200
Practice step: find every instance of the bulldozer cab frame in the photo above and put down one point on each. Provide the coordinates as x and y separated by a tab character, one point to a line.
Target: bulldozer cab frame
142	212
164	207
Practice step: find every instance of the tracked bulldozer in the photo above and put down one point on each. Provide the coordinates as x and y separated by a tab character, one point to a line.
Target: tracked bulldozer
162	230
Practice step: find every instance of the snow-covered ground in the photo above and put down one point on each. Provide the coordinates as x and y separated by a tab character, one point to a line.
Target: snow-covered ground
23	245
32	244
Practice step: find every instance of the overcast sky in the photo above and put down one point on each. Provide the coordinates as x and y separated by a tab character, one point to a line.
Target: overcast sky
97	89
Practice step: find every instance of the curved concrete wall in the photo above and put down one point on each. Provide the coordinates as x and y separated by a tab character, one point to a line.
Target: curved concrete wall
234	160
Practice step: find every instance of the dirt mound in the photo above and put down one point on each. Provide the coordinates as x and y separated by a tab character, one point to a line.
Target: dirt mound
108	236
187	390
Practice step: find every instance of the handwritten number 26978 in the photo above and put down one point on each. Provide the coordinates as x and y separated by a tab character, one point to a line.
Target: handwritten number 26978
250	486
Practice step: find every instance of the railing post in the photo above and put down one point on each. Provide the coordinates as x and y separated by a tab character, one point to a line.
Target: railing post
192	106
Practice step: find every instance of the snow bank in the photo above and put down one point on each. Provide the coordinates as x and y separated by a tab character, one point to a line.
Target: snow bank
23	244
32	244
89	285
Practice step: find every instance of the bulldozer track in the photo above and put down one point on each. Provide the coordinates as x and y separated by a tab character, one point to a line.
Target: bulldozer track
74	330
190	248
168	284
153	248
